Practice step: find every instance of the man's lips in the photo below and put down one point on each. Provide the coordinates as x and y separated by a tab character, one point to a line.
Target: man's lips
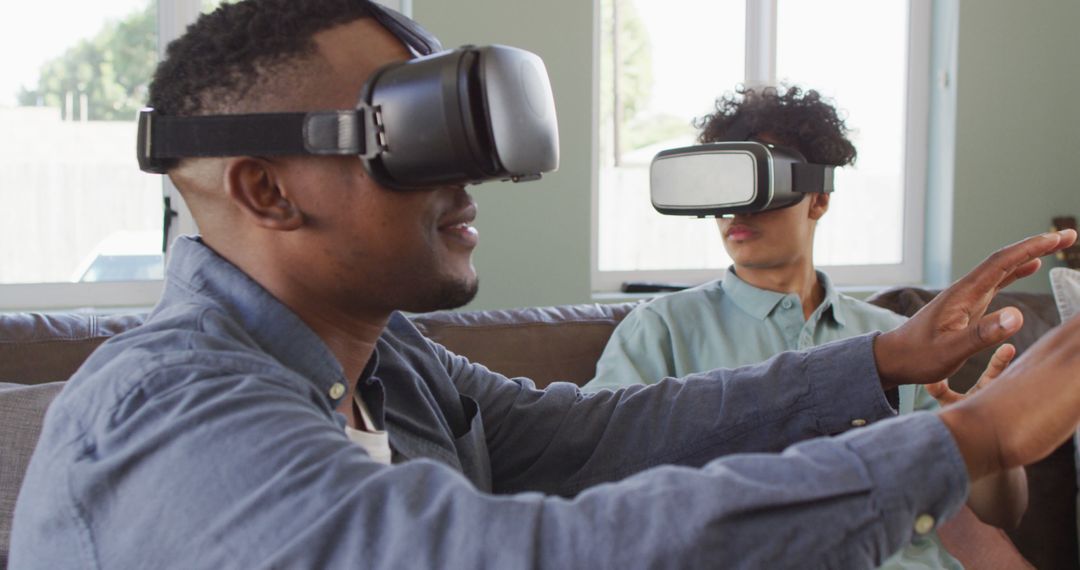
458	226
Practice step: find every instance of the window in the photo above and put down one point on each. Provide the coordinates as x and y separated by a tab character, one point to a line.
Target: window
80	225
669	61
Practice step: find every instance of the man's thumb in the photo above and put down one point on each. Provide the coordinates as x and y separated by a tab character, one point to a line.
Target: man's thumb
996	327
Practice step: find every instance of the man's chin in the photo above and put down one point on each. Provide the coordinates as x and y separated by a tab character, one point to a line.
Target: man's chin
450	294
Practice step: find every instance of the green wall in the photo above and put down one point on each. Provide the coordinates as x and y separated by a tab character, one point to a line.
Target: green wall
534	237
1017	125
1008	115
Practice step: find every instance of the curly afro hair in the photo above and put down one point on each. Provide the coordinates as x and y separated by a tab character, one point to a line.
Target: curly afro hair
225	54
800	119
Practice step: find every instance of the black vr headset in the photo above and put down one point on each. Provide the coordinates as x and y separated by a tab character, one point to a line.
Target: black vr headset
734	176
464	116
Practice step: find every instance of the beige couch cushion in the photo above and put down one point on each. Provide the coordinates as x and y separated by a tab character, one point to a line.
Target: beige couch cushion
22	409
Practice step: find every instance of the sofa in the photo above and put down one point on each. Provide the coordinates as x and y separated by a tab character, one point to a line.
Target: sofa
38	352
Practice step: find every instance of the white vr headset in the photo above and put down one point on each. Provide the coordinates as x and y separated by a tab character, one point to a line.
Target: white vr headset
724	178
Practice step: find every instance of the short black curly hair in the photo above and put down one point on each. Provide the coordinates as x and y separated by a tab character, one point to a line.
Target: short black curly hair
800	119
225	54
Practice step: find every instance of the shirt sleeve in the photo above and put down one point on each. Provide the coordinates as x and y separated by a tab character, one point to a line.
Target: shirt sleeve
638	352
561	441
913	397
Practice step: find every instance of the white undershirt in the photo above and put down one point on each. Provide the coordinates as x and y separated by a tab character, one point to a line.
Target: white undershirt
375	442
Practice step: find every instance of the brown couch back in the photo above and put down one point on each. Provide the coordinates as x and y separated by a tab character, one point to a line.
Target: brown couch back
1040	315
37	348
544	344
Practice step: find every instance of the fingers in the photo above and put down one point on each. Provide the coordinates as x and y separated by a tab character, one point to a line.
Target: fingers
942	393
1014	261
995	328
998	362
937	388
1028	412
1024	270
1068	238
1001	358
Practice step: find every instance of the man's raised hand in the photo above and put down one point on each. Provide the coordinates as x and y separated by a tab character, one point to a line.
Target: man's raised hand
935	342
1026	412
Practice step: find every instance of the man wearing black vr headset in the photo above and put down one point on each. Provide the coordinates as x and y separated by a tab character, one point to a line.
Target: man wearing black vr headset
276	411
772	299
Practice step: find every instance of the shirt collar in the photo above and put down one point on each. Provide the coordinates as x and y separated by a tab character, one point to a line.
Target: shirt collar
756	302
197	273
831	302
759	303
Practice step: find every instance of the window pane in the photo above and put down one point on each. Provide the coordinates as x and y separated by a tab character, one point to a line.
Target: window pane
75	205
674	58
864	69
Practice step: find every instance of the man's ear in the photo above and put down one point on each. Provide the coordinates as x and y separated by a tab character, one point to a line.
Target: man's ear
819	204
253	185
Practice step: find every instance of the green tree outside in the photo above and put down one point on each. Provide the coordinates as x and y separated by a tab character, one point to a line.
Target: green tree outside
629	126
110	71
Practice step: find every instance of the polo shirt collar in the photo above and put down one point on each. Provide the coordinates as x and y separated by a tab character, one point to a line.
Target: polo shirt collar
755	302
831	303
759	303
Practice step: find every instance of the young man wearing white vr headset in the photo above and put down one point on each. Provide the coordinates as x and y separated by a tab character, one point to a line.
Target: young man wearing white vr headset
222	432
772	299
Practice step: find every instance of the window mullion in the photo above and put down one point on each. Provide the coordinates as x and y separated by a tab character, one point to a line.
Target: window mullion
174	16
760	43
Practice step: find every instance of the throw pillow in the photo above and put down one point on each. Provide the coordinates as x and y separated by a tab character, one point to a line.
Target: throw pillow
1066	286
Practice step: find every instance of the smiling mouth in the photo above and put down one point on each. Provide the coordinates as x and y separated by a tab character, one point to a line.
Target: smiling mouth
462	234
459	229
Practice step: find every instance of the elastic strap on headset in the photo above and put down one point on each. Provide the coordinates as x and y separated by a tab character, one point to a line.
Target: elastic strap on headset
163	139
419	41
805	176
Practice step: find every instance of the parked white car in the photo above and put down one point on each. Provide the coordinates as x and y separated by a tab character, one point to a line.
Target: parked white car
124	256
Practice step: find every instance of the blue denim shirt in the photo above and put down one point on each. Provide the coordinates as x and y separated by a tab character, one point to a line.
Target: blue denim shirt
208	438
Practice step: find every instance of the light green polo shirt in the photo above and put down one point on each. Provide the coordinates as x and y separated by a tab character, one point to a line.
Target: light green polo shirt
729	323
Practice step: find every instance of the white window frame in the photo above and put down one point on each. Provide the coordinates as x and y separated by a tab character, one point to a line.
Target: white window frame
173	18
761	17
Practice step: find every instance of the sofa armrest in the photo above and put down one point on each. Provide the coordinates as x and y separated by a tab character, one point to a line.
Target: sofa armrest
22	409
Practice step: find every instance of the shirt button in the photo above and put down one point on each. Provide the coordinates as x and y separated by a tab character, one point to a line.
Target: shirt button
786	304
337	390
858	422
924	524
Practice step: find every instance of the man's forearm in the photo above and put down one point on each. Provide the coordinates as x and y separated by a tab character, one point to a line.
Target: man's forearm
608	436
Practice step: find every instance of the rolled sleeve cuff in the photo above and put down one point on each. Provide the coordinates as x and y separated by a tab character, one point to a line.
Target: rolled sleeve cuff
916	467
